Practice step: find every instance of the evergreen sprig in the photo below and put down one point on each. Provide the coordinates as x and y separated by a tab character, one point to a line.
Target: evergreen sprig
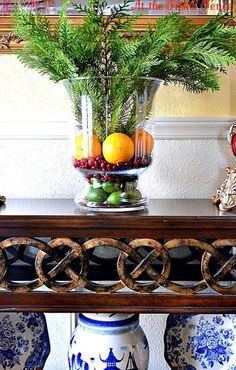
175	50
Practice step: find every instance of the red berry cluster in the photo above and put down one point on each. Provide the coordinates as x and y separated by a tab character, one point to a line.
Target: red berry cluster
142	161
100	164
112	178
104	178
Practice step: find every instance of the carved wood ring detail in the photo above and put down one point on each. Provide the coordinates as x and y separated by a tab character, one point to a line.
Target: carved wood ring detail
144	265
227	267
76	279
17	242
69	265
3	264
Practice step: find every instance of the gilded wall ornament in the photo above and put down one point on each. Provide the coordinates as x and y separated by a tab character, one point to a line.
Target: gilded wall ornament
7	40
225	196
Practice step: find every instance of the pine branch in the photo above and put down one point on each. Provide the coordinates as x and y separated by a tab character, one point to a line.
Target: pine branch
175	50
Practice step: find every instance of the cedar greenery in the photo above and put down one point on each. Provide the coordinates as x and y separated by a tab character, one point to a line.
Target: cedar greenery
174	51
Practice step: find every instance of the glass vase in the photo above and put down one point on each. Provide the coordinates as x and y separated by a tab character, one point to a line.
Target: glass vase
111	139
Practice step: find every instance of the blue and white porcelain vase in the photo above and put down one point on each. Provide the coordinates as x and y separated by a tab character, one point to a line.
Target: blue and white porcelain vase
108	342
24	341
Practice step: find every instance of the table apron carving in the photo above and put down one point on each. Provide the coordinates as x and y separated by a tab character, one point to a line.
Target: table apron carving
178	256
133	258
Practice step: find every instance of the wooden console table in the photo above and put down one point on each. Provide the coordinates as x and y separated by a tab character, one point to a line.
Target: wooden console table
51	243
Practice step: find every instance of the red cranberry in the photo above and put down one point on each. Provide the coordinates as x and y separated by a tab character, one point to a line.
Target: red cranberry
109	167
103	166
91	161
114	167
84	162
96	165
104	178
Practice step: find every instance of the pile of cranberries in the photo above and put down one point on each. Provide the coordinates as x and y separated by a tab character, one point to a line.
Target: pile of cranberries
111	178
100	164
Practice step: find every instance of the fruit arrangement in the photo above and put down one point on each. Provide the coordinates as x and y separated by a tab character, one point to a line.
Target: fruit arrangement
112	167
111	142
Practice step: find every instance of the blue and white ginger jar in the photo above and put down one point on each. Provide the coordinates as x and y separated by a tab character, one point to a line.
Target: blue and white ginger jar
108	342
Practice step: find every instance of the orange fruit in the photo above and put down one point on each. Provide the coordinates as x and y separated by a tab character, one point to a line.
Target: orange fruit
143	142
118	147
88	146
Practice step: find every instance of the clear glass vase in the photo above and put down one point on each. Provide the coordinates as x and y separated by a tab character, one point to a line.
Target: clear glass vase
112	140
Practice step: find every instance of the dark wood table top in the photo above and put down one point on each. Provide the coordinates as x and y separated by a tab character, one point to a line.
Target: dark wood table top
184	208
62	216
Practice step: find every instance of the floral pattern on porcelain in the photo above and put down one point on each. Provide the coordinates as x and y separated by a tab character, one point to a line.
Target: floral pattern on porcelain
201	342
24	341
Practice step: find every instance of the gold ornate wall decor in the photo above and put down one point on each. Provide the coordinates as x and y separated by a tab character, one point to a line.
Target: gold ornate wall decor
63	264
225	196
9	41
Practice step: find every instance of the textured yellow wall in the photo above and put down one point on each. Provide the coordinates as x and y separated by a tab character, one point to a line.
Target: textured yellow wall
26	95
173	101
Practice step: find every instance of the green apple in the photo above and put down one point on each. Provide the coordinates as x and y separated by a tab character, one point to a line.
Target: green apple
110	187
114	198
97	195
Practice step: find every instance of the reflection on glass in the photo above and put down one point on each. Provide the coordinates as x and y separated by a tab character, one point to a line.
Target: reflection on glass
142	7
